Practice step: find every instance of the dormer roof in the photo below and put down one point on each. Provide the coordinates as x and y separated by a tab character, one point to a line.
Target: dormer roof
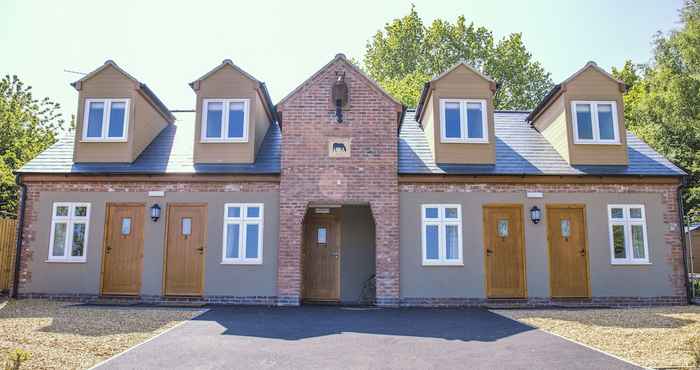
140	86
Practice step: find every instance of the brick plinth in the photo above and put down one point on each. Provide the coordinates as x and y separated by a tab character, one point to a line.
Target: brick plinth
367	176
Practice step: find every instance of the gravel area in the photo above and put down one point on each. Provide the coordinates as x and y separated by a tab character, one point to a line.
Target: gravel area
61	335
651	337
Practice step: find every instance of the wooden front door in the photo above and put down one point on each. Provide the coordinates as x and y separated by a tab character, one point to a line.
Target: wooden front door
122	255
504	250
568	253
322	258
186	245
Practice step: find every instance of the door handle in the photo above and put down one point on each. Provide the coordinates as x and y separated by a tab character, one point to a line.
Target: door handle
582	252
489	252
200	250
108	249
334	254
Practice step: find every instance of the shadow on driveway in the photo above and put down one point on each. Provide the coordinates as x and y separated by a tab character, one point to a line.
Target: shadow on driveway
317	337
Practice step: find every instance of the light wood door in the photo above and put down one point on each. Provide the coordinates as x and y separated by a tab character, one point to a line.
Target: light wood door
504	250
122	263
186	245
568	253
322	259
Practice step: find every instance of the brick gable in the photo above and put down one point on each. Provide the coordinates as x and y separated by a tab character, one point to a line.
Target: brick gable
368	175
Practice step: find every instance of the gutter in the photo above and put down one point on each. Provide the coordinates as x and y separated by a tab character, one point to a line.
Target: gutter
20	229
684	249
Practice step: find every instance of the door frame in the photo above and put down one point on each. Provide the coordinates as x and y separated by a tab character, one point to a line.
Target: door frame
523	271
335	219
582	207
104	243
166	220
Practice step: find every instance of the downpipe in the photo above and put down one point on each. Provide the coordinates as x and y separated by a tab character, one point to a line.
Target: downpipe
686	259
19	232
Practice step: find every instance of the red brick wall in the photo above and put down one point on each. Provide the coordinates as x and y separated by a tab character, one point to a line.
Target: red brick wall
368	176
672	236
34	189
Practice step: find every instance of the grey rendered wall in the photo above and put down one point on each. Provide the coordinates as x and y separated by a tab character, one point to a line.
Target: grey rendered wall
357	251
84	278
468	281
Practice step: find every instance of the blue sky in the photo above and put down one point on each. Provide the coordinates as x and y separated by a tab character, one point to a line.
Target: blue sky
167	44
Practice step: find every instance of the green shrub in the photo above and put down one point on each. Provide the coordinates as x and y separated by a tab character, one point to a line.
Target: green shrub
15	359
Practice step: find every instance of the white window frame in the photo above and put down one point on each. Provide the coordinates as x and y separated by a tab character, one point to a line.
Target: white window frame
594	122
224	124
69	220
442	223
243	221
627	223
464	138
105	119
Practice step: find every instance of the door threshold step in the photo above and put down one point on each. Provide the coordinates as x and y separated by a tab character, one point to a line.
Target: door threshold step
180	304
114	302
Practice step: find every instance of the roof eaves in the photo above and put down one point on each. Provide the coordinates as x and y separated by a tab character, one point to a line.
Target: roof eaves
157	102
543	103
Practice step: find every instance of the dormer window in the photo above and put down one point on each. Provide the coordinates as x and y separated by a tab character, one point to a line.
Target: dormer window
463	121
225	120
106	119
595	122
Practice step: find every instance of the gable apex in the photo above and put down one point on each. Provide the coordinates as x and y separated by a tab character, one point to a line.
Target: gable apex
226	62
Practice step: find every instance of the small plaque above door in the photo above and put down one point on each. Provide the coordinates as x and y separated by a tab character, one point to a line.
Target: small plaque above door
339	148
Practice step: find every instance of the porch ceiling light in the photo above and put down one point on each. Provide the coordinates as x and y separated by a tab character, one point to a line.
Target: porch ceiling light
155	212
535	215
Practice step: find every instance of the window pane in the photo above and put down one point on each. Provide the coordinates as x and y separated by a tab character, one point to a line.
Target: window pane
638	241
605	122
475	127
565	228
59	239
503	228
321	237
452	242
126	226
584	121
617	213
80	211
451	213
233	212
95	111
116	119
232	238
235	120
215	113
78	245
636	213
253	212
431	242
619	241
431	212
251	242
452	126
62	211
186	226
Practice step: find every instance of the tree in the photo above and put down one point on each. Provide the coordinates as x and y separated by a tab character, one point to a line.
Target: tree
406	54
662	105
27	127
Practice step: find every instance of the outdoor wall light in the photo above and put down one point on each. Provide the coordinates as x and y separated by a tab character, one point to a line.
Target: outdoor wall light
535	215
155	212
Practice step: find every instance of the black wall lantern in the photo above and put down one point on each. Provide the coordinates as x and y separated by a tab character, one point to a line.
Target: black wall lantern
155	212
535	215
339	94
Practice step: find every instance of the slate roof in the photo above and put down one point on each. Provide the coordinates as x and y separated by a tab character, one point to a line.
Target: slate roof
170	152
521	150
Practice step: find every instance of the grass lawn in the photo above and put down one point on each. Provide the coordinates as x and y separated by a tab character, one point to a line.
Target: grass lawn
61	335
652	337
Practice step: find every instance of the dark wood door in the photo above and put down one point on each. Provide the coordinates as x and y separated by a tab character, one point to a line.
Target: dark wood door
322	259
504	251
568	253
122	255
186	245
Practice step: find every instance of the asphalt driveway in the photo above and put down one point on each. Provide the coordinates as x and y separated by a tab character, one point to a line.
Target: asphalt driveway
316	337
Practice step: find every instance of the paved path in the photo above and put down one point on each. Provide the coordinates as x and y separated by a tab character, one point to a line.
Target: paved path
314	337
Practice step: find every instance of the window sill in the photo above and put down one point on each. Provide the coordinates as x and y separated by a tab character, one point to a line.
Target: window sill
65	261
249	263
112	140
442	264
630	263
223	141
463	141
